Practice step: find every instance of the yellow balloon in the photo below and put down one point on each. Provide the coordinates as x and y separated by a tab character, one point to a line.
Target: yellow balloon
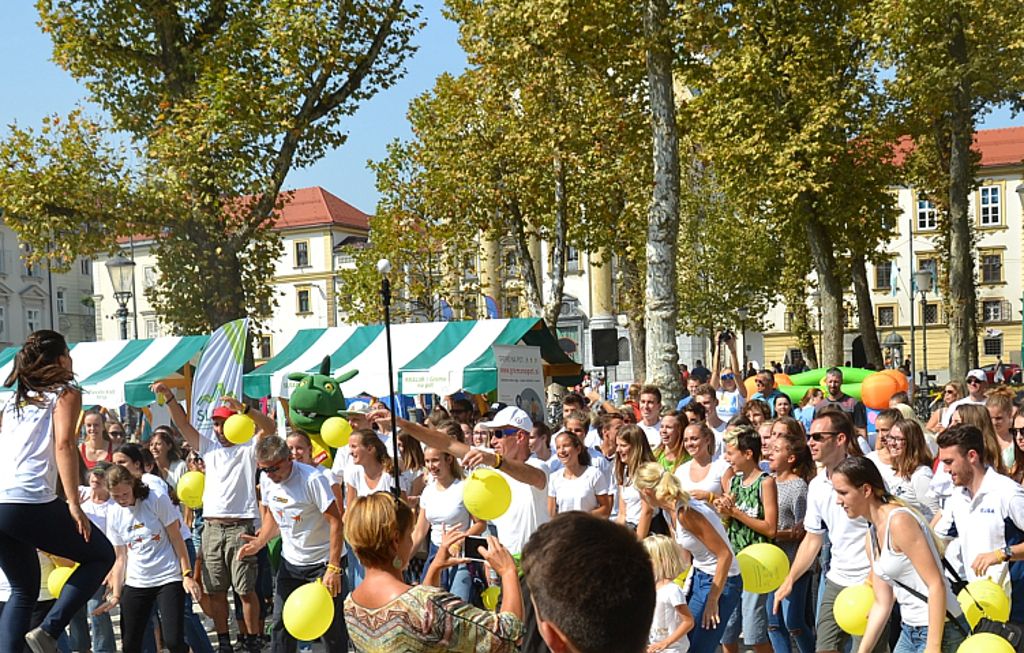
985	643
993	601
308	612
58	576
335	431
852	607
489	597
486	494
680	580
239	428
763	567
190	488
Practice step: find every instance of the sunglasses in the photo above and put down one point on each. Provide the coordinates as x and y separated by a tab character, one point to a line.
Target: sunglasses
728	377
506	432
973	381
821	436
951	391
272	468
1017	433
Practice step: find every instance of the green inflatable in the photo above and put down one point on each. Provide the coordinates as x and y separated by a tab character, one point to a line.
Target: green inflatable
796	392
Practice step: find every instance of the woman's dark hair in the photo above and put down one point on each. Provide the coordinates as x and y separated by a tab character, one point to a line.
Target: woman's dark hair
380	452
452	429
134	452
118	474
574	440
860	470
411	455
796	442
756	405
37	367
915	451
163	433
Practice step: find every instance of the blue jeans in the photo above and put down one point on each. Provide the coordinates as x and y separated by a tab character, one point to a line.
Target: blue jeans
706	640
48	526
913	638
102	640
791	621
456	580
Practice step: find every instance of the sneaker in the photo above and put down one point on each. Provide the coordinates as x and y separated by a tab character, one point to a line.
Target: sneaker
305	647
253	644
40	641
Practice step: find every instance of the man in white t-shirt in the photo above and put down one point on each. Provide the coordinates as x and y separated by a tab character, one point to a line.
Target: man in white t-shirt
731	394
527	479
297	503
977	384
650	414
705	396
229	512
832	439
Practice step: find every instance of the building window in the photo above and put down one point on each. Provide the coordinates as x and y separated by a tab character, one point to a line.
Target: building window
31	269
61	302
932	266
86	267
264	346
152	327
3	320
990	206
511	306
33	319
572	259
886	316
930	313
148	276
302	253
991	267
926	215
302	301
995	310
624	351
993	345
883	275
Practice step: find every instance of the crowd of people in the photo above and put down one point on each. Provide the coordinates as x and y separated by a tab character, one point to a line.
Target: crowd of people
621	534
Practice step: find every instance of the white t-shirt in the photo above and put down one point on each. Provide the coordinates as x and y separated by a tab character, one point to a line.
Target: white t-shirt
667	598
850	565
947	415
175	471
443	508
355	476
710	483
652	432
230	490
526	513
5	588
298	505
97	512
915	491
703	558
729	404
28	468
142	528
158	485
634	502
407	478
578	493
342	460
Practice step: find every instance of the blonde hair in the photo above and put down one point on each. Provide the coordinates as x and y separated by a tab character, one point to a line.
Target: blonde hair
665	555
372	522
666	487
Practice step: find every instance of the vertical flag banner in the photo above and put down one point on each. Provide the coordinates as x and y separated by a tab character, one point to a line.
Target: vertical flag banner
219	373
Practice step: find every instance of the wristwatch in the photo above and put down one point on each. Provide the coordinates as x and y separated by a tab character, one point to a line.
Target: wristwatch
1007	553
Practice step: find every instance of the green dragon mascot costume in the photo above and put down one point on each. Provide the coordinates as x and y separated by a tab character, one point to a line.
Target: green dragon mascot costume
317	398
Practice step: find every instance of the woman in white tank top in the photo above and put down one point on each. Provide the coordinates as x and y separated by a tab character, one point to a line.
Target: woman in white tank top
906	564
40	444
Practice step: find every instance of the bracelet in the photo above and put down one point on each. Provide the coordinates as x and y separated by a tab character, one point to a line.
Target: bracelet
497	461
335	568
186	573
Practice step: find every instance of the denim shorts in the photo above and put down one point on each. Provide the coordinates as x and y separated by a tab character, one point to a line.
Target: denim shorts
914	638
751	619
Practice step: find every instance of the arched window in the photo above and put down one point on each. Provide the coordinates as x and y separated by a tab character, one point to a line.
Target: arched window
624	350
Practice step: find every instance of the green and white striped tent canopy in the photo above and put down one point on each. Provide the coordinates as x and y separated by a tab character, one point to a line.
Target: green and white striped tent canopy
116	372
453	355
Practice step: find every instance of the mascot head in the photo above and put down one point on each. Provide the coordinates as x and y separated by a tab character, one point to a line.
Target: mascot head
317	397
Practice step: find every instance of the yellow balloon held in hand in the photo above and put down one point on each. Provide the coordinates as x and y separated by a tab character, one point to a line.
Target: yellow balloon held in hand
852	607
308	612
190	488
57	578
239	428
335	431
985	643
986	593
486	494
489	597
763	567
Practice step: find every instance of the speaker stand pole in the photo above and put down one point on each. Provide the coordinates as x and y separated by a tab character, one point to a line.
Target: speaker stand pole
606	383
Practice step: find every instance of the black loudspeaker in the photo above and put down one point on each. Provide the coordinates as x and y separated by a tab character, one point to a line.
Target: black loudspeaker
604	344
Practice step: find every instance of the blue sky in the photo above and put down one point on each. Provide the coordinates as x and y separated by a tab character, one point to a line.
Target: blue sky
32	86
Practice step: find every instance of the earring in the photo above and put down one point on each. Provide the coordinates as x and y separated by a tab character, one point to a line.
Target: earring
397	563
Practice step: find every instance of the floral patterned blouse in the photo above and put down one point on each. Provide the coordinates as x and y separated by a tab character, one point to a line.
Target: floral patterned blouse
430	620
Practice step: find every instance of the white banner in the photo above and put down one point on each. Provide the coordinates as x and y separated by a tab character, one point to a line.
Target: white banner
521	378
219	373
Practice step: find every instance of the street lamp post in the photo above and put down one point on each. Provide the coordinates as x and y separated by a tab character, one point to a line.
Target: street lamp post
816	300
384	269
122	272
923	281
742	313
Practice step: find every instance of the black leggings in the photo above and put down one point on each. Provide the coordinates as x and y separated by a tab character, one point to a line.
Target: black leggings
25	527
136	608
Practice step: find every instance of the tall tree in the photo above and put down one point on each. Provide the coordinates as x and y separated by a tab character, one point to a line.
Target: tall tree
953	61
219	100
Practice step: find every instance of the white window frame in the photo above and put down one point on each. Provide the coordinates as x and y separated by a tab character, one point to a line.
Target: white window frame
61	301
927	218
295	253
990	206
33	319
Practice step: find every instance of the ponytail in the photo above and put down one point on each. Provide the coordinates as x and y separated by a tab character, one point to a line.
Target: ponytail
666	487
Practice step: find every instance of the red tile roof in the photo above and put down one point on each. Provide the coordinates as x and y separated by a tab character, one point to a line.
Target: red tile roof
315	206
998	147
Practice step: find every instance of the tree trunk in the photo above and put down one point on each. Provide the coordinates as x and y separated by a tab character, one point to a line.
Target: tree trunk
962	299
830	289
531	284
663	219
629	282
553	306
866	313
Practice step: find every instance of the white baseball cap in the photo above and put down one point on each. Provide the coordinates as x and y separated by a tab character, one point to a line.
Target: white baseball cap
510	416
358	407
977	374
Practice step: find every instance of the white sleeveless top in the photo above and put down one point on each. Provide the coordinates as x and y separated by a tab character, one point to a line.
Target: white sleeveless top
892	567
703	558
28	466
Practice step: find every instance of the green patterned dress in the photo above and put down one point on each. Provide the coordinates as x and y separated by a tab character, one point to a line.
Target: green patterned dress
748	500
430	620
